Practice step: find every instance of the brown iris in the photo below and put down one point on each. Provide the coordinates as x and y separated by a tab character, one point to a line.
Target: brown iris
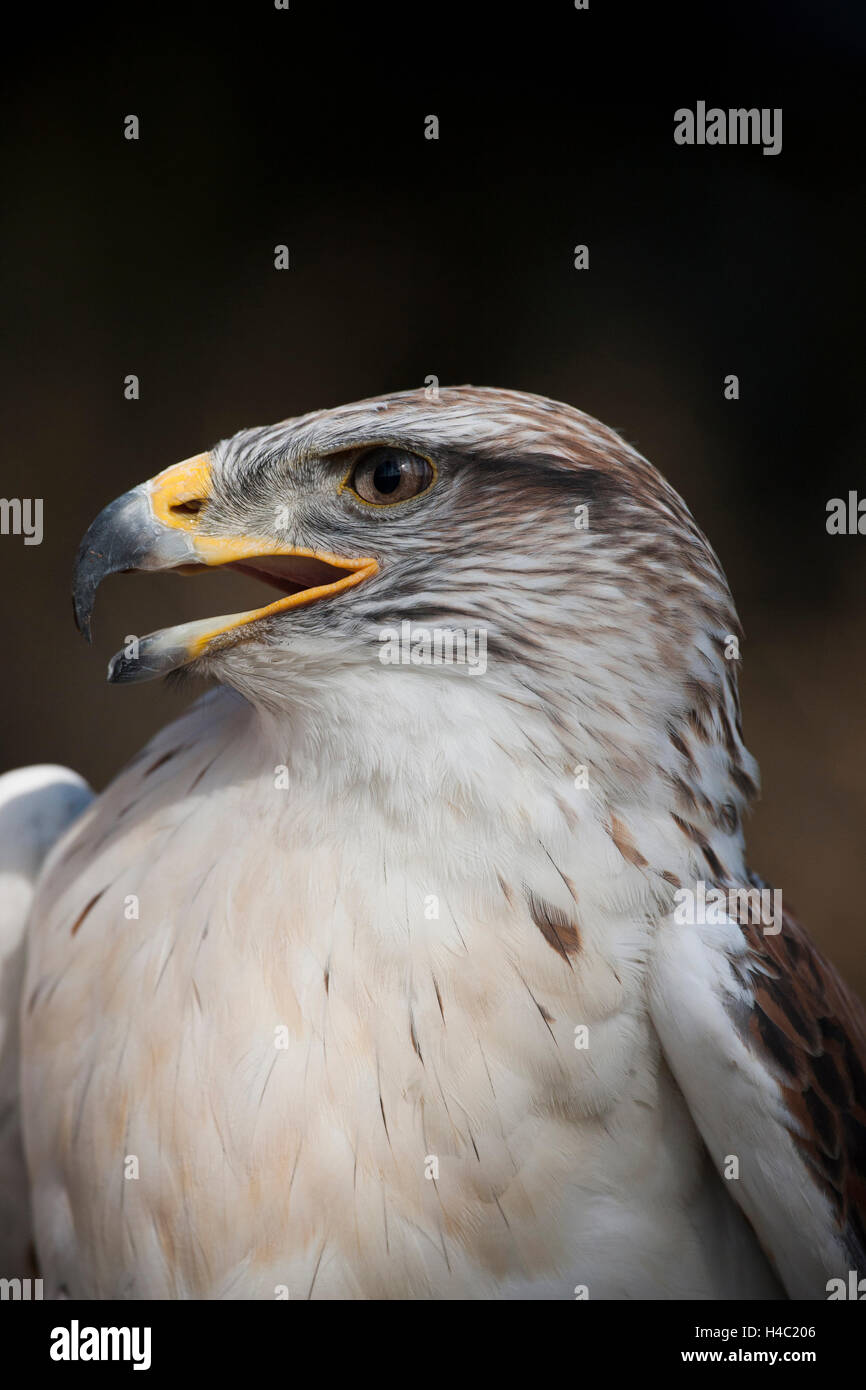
386	475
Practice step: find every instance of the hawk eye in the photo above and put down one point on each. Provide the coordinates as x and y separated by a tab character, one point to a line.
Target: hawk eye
385	476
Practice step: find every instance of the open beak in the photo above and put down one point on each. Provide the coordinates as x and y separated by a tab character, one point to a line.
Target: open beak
156	527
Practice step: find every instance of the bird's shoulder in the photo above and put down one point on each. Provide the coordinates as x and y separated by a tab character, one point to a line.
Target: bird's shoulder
769	1048
813	1027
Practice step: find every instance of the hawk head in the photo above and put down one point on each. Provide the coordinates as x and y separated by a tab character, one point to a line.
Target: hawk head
606	619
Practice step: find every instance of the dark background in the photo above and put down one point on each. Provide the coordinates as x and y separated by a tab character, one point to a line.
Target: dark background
411	257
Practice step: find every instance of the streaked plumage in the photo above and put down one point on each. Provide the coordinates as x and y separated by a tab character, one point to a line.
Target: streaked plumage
397	866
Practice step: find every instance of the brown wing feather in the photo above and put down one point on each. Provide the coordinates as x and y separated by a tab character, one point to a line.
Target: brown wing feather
814	1028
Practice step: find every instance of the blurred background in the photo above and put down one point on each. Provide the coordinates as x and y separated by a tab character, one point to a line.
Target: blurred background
454	257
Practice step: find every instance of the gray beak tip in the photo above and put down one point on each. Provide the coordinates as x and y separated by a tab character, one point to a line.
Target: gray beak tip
119	672
82	618
125	536
126	670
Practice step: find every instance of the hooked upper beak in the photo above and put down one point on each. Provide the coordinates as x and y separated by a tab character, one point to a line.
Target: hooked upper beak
156	526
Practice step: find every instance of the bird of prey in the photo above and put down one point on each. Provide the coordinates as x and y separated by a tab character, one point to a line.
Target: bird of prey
368	977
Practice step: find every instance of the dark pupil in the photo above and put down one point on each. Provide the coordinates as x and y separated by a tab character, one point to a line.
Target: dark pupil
387	475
